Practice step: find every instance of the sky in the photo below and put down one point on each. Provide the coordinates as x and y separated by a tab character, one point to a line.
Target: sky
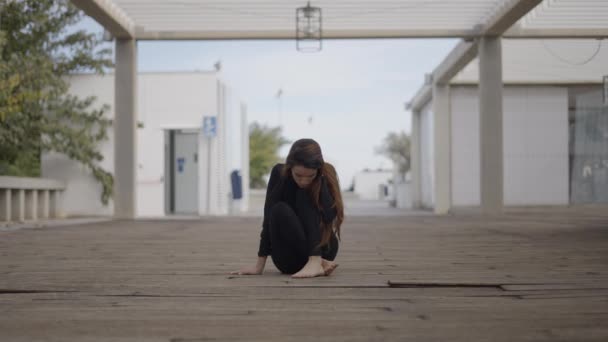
347	97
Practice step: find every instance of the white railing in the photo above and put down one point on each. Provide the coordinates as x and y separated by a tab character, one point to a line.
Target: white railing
29	199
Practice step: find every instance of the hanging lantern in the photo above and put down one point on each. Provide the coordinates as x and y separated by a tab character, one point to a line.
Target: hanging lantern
308	29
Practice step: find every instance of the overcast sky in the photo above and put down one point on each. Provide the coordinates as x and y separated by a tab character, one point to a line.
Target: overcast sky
348	97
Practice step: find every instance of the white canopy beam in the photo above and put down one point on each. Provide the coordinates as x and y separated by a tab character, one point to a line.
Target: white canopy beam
508	15
455	61
556	33
110	16
142	34
350	19
422	97
465	52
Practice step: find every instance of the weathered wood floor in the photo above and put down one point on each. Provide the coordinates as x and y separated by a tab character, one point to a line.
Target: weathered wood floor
533	275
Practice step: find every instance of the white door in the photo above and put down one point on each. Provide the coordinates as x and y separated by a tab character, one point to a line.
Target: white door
186	173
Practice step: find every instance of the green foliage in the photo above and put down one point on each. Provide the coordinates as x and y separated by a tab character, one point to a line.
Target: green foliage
37	54
396	147
264	145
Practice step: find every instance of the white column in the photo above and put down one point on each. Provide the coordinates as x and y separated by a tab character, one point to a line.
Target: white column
490	125
31	204
18	205
54	205
45	205
442	141
416	161
5	205
125	126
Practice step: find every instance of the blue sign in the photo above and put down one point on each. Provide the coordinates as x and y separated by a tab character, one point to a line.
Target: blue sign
180	164
209	126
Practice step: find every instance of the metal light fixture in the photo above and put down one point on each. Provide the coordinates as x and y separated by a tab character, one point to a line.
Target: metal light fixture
308	29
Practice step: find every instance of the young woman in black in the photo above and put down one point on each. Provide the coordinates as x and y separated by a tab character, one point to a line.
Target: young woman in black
303	213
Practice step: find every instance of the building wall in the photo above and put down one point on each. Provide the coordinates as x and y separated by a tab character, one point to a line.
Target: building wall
465	179
427	163
535	143
82	196
168	100
367	184
588	145
536	61
165	101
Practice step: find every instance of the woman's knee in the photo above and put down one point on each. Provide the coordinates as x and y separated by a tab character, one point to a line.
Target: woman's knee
280	209
281	214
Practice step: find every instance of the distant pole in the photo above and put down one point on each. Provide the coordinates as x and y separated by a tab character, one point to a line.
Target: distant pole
279	97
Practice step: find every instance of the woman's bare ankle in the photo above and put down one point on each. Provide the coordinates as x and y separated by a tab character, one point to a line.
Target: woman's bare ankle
313	268
328	266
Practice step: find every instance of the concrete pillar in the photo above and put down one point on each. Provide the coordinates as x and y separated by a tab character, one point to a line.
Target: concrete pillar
31	205
44	198
490	125
5	205
18	205
54	205
416	161
442	148
125	126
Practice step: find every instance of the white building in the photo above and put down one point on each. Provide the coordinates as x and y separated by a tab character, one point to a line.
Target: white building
179	169
373	184
554	127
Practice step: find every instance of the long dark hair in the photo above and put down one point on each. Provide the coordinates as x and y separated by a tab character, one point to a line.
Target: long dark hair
307	153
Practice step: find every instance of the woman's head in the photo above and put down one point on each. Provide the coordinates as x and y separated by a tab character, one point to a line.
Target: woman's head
306	166
305	162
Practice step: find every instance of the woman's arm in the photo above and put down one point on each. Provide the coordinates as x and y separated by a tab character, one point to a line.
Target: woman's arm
265	248
271	199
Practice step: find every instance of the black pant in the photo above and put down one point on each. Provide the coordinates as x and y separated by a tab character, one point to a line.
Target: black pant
295	234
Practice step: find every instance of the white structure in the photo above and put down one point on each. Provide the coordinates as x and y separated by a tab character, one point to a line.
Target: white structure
402	190
23	198
179	169
543	97
373	184
481	23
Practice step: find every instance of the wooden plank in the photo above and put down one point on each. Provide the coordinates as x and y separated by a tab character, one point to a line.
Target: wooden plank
534	274
547	287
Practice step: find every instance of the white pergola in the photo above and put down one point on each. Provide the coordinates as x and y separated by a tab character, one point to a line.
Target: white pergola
275	19
480	23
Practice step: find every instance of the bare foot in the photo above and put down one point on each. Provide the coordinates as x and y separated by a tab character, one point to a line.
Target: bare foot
328	266
312	269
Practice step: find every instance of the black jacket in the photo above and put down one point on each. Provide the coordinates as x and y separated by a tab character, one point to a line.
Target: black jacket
284	190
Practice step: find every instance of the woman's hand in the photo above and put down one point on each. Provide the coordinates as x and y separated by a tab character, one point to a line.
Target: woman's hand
253	270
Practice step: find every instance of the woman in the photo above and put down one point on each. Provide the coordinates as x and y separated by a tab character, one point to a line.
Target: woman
303	213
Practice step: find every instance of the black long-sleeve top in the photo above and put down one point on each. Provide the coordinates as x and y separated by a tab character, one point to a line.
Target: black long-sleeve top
284	189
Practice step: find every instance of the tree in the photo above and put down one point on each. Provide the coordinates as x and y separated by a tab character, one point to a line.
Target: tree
37	54
396	147
264	145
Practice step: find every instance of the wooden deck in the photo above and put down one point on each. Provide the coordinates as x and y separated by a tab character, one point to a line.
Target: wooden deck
528	275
